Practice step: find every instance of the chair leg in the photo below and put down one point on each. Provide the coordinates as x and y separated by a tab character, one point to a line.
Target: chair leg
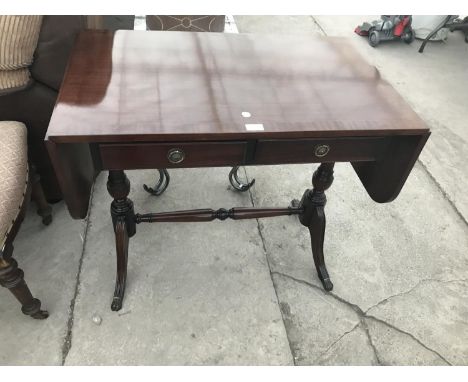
44	210
12	278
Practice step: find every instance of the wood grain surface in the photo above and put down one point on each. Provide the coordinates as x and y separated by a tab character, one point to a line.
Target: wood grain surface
160	86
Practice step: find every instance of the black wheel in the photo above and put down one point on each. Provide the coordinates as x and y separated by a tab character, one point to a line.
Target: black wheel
408	36
374	38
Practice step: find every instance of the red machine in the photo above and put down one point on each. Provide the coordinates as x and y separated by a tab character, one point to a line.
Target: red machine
389	27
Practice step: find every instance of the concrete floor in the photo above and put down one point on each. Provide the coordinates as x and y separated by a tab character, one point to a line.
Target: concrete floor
246	292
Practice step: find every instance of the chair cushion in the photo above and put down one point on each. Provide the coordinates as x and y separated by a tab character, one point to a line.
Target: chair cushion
18	40
13	174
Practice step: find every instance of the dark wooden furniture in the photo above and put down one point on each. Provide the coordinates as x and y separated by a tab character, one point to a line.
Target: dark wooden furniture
12	277
139	100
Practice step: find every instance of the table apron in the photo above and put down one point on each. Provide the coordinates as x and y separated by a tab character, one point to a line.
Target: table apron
129	156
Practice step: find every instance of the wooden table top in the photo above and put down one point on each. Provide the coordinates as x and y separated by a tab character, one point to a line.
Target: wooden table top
162	86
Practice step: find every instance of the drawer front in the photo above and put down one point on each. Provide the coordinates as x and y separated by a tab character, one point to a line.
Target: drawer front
352	149
169	155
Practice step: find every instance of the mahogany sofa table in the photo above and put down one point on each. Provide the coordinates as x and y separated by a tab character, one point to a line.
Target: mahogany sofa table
147	100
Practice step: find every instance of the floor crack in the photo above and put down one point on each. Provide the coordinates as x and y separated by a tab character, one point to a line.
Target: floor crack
363	314
371	343
423	281
67	342
354	307
338	340
410	335
291	349
443	192
319	26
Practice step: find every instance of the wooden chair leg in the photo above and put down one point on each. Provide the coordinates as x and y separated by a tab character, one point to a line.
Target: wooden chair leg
12	278
44	210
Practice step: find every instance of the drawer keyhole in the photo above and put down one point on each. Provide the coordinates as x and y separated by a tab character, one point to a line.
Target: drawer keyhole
175	155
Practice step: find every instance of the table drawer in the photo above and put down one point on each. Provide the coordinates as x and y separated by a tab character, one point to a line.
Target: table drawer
316	150
169	155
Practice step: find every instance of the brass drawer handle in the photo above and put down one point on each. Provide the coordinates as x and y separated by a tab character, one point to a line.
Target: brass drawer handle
175	155
321	150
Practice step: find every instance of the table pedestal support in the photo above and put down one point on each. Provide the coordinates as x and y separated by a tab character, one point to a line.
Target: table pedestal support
310	211
313	203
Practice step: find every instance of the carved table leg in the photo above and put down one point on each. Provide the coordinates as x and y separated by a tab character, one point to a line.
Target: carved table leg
123	219
12	277
313	201
121	247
